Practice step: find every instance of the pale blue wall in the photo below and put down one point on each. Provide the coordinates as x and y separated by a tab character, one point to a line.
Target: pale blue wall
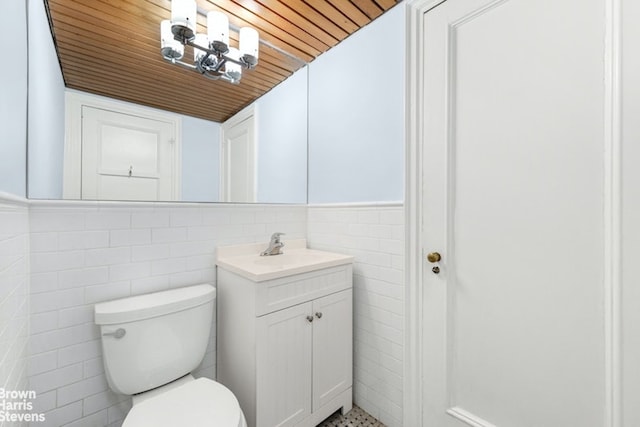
356	116
282	142
46	109
13	98
200	160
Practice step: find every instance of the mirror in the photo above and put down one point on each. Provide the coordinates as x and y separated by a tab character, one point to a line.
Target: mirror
13	104
120	151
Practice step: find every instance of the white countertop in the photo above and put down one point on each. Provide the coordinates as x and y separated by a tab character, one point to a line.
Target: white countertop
245	260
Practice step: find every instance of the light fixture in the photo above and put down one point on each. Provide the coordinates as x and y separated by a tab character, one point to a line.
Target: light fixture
212	55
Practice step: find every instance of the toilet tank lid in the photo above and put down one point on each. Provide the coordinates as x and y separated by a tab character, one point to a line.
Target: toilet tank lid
155	304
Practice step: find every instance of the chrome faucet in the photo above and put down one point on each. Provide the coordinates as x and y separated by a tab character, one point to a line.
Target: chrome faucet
275	245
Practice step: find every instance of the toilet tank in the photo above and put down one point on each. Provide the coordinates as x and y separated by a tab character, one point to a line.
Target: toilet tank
150	340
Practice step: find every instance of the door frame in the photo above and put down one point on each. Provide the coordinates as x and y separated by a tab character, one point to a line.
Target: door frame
412	411
72	168
414	261
249	112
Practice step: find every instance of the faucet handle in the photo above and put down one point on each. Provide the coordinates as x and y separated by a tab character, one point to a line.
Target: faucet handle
275	237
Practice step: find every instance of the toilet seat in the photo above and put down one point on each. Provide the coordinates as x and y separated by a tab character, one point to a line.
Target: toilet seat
197	403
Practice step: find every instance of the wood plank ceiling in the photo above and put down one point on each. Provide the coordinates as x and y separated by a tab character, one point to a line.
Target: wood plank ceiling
112	48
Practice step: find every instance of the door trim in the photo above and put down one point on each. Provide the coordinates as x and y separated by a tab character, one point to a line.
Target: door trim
412	411
613	213
248	112
72	170
612	283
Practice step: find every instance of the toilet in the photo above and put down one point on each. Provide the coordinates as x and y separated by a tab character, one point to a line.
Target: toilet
151	343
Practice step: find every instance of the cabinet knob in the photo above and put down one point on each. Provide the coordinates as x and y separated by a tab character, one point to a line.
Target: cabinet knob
309	319
319	314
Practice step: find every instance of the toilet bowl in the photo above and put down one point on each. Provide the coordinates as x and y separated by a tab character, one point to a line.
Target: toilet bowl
193	402
151	343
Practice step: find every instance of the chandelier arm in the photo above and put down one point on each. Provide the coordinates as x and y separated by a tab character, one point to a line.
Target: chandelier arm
203	68
217	53
212	76
228	79
182	64
235	61
210	51
221	61
212	73
216	75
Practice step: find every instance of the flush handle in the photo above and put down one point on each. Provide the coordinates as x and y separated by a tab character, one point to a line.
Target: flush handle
118	333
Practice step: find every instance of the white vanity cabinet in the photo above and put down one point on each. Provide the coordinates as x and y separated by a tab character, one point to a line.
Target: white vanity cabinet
302	365
284	345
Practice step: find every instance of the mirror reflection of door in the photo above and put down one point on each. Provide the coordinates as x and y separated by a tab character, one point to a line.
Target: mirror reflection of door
126	157
238	158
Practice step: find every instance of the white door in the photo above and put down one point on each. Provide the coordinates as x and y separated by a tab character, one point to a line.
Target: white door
238	157
332	346
283	366
126	157
513	324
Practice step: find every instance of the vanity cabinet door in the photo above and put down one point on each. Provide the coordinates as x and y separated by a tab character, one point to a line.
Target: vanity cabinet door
283	364
332	346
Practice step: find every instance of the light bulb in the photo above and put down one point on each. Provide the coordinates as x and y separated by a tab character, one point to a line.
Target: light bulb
249	41
231	69
169	47
218	30
183	17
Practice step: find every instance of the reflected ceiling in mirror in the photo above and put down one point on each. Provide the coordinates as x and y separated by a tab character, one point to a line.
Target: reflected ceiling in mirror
112	48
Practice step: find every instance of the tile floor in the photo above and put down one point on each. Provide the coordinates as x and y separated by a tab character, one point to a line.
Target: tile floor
357	417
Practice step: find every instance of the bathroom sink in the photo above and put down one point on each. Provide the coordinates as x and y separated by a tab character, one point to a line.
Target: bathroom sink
289	259
246	261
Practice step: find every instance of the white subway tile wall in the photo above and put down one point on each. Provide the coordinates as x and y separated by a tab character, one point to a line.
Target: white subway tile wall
84	253
374	235
14	296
